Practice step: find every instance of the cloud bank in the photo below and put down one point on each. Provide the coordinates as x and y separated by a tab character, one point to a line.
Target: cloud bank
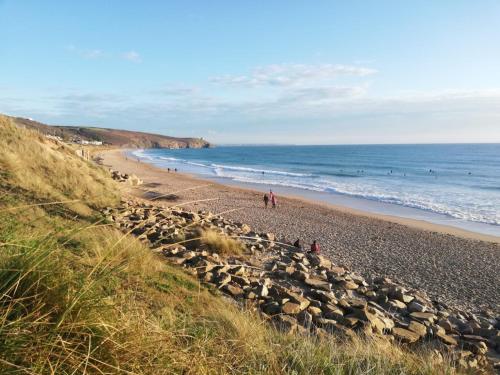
282	103
292	74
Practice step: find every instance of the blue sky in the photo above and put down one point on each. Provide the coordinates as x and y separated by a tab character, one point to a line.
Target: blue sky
314	72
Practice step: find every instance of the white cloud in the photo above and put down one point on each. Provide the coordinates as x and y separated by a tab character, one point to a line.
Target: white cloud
94	54
132	56
90	54
292	74
176	91
318	95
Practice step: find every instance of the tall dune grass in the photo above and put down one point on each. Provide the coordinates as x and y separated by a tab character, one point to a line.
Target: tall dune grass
50	170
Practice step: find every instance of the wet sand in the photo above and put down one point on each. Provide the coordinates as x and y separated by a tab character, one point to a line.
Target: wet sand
454	266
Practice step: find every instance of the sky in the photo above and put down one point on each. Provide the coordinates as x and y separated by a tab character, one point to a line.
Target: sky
278	72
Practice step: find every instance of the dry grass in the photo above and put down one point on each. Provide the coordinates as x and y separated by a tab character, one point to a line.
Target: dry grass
221	243
51	171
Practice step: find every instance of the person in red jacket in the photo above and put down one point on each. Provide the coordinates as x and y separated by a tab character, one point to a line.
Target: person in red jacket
274	202
314	247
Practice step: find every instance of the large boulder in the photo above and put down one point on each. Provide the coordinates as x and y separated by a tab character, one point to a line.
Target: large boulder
405	335
318	261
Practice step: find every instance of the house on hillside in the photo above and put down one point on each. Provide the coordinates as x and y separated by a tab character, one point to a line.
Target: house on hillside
54	137
85	142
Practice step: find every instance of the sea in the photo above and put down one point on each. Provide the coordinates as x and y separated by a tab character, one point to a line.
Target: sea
451	184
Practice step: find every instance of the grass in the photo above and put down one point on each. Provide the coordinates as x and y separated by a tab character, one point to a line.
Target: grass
221	243
77	299
49	170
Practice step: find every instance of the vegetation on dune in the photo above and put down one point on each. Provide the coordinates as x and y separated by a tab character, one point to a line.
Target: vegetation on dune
51	171
82	297
220	243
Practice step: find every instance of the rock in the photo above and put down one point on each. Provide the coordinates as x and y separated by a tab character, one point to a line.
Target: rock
388	322
404	335
357	303
245	229
358	280
250	295
418	328
322	296
396	304
336	271
318	261
474	338
447	339
238	271
188	254
190	216
332	312
298	299
222	278
446	325
291	308
398	293
300	275
475	347
423	316
269	236
233	290
240	280
370	294
207	277
416	307
285	323
262	291
318	284
314	311
302	267
329	325
350	321
271	308
377	325
349	285
382	280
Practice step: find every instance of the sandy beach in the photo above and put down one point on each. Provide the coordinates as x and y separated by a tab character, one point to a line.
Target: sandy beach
454	266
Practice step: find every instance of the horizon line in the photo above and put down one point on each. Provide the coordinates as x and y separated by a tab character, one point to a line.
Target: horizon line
356	144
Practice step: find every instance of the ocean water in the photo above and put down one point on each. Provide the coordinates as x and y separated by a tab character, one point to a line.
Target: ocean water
461	181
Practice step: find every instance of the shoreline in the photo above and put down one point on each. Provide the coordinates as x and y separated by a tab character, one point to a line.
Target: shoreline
291	193
422	224
430	256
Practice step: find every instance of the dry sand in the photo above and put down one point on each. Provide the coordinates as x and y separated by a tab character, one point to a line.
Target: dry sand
459	268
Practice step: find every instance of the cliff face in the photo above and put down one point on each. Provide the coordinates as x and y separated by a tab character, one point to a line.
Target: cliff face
114	137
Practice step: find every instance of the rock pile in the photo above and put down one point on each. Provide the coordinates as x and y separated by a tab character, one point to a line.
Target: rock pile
131	179
300	292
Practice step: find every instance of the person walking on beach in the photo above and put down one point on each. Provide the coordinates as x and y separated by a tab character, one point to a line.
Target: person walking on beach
266	200
314	248
274	201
